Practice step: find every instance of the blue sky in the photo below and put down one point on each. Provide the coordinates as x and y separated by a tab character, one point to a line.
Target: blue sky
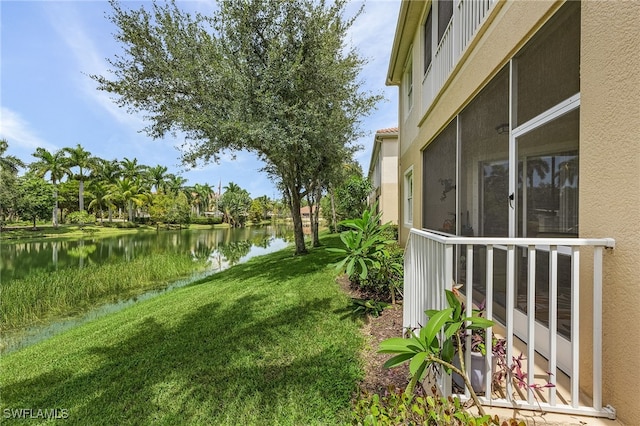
48	49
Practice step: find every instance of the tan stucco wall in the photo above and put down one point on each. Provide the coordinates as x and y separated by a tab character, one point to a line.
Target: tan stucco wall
610	184
507	29
389	180
609	161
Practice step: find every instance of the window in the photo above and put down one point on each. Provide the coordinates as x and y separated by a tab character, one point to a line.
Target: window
408	84
439	182
408	195
445	13
428	40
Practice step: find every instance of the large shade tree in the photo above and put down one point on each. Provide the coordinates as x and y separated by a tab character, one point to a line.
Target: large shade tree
268	76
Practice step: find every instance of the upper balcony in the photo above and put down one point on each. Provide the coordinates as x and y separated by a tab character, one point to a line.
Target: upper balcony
449	43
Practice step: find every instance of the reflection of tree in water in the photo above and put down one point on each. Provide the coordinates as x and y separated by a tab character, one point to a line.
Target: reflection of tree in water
261	241
234	251
82	252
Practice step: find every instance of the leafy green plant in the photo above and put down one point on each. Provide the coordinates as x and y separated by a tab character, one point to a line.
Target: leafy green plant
397	407
386	280
364	242
435	344
81	217
367	307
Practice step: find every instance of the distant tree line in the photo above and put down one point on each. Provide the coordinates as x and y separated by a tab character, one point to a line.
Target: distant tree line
71	185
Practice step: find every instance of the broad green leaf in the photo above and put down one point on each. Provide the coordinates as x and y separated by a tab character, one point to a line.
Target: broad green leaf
433	327
416	362
398	360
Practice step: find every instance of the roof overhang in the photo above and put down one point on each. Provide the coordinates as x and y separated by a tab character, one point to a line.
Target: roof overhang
391	132
408	21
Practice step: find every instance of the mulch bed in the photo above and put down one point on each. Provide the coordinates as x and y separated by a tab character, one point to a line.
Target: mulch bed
378	379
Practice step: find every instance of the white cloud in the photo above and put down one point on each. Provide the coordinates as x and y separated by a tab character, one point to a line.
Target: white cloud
19	134
90	59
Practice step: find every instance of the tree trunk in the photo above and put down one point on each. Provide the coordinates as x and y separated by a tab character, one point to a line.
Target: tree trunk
298	234
55	208
81	196
333	211
315	216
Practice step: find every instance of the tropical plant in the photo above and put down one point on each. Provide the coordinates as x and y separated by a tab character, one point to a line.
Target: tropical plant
234	204
100	192
9	163
367	307
397	407
435	344
9	166
130	193
82	159
131	169
158	177
364	243
55	164
175	184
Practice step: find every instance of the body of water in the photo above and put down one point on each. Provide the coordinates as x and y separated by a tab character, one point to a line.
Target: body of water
220	248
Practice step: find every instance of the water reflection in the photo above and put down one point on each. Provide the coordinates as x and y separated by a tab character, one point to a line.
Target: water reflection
221	246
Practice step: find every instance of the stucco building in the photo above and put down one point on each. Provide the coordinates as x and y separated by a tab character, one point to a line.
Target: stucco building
383	174
519	163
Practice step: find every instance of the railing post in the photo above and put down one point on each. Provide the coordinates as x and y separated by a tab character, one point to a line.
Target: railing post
575	327
597	328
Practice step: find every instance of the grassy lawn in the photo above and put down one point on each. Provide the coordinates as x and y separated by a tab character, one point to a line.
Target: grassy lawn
264	342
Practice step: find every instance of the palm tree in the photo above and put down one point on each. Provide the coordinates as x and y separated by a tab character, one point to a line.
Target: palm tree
128	191
158	177
82	159
8	163
232	187
100	192
131	169
107	173
175	184
56	165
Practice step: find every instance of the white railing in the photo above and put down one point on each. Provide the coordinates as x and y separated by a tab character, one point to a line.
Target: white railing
430	268
468	15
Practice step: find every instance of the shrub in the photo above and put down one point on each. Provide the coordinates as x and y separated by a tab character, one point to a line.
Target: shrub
81	217
119	225
206	220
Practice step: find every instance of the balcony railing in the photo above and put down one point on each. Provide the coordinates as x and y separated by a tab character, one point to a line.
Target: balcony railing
433	262
468	15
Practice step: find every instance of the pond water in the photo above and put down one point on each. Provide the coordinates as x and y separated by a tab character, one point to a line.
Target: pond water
221	248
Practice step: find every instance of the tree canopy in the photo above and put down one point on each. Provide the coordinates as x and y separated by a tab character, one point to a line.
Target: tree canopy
269	76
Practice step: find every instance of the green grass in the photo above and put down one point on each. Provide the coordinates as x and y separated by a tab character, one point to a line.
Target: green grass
44	296
265	342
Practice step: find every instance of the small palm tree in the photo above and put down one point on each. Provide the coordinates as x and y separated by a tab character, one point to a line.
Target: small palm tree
56	165
100	192
130	193
107	173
